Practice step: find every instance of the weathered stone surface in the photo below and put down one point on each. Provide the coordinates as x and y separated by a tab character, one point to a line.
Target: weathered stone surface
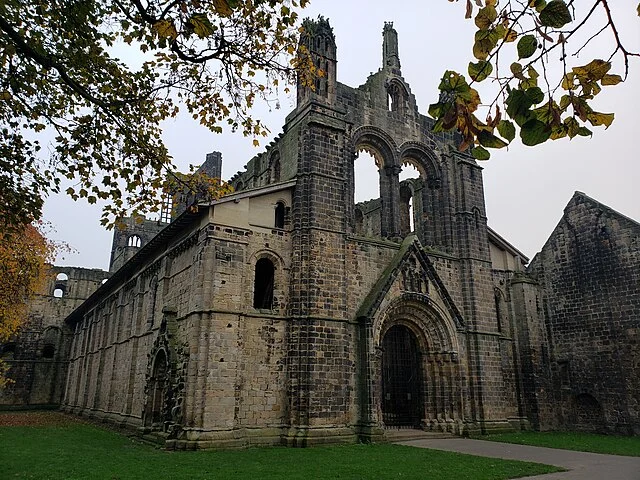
286	313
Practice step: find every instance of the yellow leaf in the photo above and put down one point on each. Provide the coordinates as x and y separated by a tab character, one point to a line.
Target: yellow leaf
596	119
222	7
595	69
201	25
256	143
611	79
165	29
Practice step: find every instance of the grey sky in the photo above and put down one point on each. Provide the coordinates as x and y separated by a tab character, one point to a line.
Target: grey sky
525	188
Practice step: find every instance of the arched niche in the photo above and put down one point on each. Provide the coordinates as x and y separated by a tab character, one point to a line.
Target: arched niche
382	148
429	198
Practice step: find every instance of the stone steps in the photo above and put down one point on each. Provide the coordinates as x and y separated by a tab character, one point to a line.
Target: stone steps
396	435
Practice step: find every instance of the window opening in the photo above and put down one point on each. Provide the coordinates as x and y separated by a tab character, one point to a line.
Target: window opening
276	170
62	277
498	301
166	209
408	214
58	292
279	213
134	241
8	350
359	222
366	177
48	351
263	284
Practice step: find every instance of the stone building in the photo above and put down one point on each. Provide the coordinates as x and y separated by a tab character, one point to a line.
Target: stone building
38	356
287	313
586	372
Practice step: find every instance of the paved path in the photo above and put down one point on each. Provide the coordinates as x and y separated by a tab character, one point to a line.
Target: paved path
581	465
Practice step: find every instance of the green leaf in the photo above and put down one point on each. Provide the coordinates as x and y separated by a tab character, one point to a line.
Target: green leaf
507	130
527	46
436	110
518	106
556	14
585	132
201	25
489	140
538	4
480	153
535	94
482	46
480	71
565	101
534	132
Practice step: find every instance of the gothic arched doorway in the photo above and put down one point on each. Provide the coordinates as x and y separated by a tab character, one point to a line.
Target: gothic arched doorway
157	386
402	396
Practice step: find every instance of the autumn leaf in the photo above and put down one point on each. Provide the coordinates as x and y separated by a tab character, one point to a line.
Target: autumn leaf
223	7
202	27
166	29
596	119
611	79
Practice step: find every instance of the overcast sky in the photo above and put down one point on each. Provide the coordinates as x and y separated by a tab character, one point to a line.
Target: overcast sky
526	188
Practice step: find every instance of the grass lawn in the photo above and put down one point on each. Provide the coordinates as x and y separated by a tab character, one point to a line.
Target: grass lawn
77	450
582	442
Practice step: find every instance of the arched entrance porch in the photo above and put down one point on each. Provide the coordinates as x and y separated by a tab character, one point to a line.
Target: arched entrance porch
418	371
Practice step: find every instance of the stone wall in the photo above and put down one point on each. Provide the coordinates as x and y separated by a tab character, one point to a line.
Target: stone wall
37	357
589	273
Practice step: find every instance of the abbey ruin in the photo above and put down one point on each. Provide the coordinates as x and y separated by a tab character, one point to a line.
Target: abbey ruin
287	313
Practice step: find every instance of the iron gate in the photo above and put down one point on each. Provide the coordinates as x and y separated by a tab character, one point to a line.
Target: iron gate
402	400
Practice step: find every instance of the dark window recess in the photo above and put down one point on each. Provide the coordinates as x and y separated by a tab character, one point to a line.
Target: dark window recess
263	284
280	215
498	301
8	350
565	373
48	351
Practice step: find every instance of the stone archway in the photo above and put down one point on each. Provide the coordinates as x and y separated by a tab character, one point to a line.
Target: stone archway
402	392
416	343
158	383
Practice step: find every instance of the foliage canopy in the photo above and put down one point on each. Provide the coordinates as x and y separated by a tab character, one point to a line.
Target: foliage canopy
85	85
23	269
512	48
65	88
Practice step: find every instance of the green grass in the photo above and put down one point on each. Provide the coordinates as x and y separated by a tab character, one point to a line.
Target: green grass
83	451
582	442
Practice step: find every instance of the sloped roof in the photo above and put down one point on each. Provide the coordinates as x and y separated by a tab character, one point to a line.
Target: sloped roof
410	245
